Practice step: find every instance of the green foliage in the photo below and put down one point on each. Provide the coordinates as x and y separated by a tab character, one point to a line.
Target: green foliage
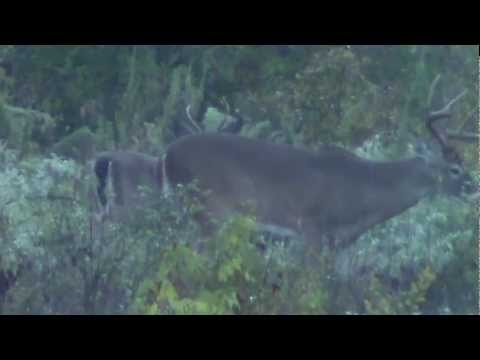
213	119
5	85
432	235
156	262
4	123
212	282
81	145
229	276
147	83
25	209
369	98
6	81
26	130
456	284
65	261
380	302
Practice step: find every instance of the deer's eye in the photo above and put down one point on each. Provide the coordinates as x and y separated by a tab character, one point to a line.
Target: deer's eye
455	171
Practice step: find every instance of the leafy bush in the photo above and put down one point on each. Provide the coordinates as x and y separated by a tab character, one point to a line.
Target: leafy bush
66	261
56	258
426	242
158	262
230	276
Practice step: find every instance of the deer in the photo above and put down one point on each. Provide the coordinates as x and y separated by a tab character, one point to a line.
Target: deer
128	171
329	197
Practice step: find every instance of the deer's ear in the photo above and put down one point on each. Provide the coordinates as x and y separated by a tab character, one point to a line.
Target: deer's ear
423	150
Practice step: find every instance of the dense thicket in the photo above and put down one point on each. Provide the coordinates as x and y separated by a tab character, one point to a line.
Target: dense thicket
59	105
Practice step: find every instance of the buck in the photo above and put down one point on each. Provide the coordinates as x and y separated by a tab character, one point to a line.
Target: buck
329	197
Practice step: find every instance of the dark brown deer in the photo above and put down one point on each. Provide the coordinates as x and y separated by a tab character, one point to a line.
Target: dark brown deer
330	197
128	171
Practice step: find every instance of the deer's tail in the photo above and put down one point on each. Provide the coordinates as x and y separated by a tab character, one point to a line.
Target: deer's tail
101	168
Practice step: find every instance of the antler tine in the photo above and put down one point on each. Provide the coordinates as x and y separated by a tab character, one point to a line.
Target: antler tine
462	136
433	87
443	136
192	122
226	125
227	108
445	112
470	117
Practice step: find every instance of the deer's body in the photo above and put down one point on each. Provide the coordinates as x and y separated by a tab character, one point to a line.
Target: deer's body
332	195
128	172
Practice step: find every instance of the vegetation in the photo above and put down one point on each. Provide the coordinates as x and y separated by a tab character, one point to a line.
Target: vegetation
59	105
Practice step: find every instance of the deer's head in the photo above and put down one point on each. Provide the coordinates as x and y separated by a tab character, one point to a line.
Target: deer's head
443	160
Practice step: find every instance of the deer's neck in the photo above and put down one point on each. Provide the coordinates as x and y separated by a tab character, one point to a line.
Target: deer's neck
402	184
388	190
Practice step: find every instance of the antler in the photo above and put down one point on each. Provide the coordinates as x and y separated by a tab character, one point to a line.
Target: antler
236	125
196	128
443	135
445	112
462	136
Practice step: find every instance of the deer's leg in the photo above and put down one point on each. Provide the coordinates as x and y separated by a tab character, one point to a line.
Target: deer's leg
208	229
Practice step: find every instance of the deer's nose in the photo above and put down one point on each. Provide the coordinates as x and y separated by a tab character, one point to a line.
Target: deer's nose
470	187
470	191
474	197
